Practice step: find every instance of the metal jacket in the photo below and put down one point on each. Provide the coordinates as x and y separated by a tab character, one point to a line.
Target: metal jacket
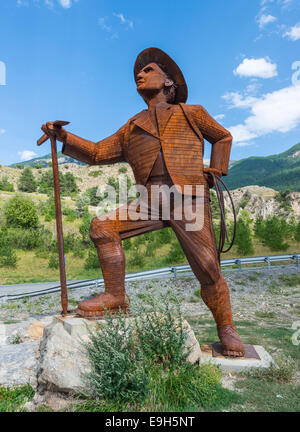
181	133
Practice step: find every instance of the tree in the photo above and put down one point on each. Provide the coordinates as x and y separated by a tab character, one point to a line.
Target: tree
297	232
243	238
82	203
84	228
68	184
21	212
275	232
27	181
259	228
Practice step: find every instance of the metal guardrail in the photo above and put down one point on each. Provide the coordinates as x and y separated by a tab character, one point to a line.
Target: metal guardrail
164	271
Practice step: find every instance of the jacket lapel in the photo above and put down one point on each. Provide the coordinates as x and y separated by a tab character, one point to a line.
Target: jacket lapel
143	121
163	114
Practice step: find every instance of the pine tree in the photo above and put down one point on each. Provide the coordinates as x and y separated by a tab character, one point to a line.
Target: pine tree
297	232
275	232
243	238
27	181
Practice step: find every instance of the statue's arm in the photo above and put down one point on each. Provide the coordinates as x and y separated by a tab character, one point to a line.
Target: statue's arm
107	151
217	135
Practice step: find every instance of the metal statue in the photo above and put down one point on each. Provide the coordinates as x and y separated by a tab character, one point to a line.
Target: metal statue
164	145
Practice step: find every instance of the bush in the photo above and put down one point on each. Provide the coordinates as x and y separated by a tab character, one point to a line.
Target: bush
122	170
5	185
297	232
12	399
176	254
84	228
95	173
8	257
27	181
21	212
82	203
142	363
53	262
92	261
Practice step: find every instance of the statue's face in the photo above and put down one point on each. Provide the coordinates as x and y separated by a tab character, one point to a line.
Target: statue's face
151	79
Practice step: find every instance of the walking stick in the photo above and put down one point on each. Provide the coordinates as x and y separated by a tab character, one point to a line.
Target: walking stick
59	229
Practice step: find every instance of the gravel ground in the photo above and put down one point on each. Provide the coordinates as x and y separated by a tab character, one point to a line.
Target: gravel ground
255	294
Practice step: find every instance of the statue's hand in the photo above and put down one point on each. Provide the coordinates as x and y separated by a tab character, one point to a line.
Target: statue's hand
51	130
209	178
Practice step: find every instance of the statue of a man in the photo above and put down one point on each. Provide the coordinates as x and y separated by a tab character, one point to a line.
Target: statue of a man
164	145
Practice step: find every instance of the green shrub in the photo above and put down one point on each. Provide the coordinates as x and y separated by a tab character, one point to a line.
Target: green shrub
142	364
84	228
122	170
95	173
5	185
176	254
53	262
11	400
92	260
297	232
8	257
82	203
21	212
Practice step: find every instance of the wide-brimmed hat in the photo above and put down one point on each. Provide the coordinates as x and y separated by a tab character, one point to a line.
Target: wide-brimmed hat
156	55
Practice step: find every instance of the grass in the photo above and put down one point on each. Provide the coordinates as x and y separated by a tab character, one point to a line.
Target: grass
265	314
290	280
274	389
12	400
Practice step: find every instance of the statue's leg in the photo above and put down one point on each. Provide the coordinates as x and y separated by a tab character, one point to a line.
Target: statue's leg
201	252
106	235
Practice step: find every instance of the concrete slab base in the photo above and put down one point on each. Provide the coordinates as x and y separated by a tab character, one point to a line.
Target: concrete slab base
237	364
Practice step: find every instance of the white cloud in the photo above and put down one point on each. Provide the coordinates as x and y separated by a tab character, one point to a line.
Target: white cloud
26	155
66	4
2	131
219	116
263	20
278	111
103	25
294	33
124	20
261	68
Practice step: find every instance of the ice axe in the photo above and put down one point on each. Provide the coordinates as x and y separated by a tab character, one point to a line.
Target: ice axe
59	229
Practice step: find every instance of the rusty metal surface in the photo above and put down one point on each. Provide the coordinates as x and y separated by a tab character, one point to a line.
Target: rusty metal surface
59	228
177	131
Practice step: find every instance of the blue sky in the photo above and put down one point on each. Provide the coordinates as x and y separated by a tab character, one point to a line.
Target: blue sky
73	60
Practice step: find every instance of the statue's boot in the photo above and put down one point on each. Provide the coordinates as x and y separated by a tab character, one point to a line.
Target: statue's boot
217	299
114	299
